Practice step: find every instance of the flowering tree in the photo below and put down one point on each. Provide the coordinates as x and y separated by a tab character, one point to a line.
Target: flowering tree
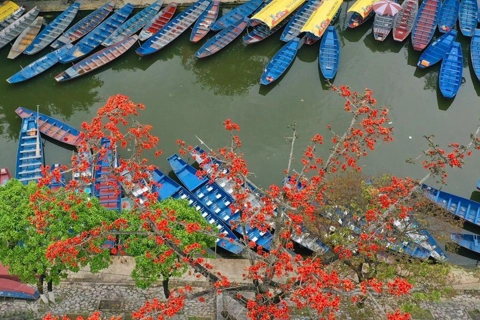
357	238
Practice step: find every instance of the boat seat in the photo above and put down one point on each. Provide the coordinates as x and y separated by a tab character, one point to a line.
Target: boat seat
30	164
475	239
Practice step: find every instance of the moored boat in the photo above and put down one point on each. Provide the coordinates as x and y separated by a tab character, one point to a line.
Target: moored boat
17	290
359	12
221	39
158	22
4	176
425	24
97	60
17	27
53	29
475	53
468	17
468	241
82	172
329	53
173	28
167	187
106	186
325	15
84	26
52	127
205	21
9	12
40	65
299	19
237	14
98	35
280	62
382	26
404	20
30	156
447	18
134	24
25	38
437	49
451	71
261	32
57	182
275	12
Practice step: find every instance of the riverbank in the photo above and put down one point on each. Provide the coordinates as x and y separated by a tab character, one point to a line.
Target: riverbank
60	5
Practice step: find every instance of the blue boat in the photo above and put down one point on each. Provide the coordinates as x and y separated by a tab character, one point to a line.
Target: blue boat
447	18
296	23
437	50
107	188
56	184
134	24
451	71
329	53
221	39
16	290
84	26
463	208
168	188
98	35
173	28
280	62
468	17
425	24
40	65
236	15
52	127
82	172
30	156
468	241
475	53
261	32
53	29
216	199
205	21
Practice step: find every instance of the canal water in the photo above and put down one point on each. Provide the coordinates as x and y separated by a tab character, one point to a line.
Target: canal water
186	97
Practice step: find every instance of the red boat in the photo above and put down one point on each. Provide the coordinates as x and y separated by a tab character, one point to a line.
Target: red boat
158	22
14	289
4	274
426	24
4	176
205	21
404	20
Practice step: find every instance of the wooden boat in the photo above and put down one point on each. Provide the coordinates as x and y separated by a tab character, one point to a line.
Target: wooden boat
56	184
158	22
167	187
299	19
329	54
360	11
221	39
134	24
467	17
325	15
5	274
9	12
205	21
425	24
97	60
475	53
107	188
17	290
261	32
216	199
236	15
25	38
4	176
82	172
98	35
30	152
84	26
280	62
53	29
173	28
463	208
437	49
404	20
382	26
447	18
17	27
275	12
52	127
40	65
468	241
451	71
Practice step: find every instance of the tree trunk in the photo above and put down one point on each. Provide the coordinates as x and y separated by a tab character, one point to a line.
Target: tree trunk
40	283
166	291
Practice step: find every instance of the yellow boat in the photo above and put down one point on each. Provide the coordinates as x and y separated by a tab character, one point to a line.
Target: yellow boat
276	11
322	17
361	11
7	9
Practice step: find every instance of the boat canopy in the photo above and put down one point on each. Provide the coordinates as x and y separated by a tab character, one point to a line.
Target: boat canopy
276	11
7	9
321	17
362	7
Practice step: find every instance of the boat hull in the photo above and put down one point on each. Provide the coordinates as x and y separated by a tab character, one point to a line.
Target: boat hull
30	156
451	71
404	20
437	50
475	53
329	53
205	21
280	62
425	24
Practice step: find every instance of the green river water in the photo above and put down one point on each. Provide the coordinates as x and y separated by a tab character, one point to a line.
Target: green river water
185	97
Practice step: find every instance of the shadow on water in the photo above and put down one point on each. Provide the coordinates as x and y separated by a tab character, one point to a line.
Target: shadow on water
442	102
389	45
308	53
413	55
475	80
264	90
453	249
475	196
355	34
429	76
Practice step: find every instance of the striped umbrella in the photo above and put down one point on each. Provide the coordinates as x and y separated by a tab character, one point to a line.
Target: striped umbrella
386	7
